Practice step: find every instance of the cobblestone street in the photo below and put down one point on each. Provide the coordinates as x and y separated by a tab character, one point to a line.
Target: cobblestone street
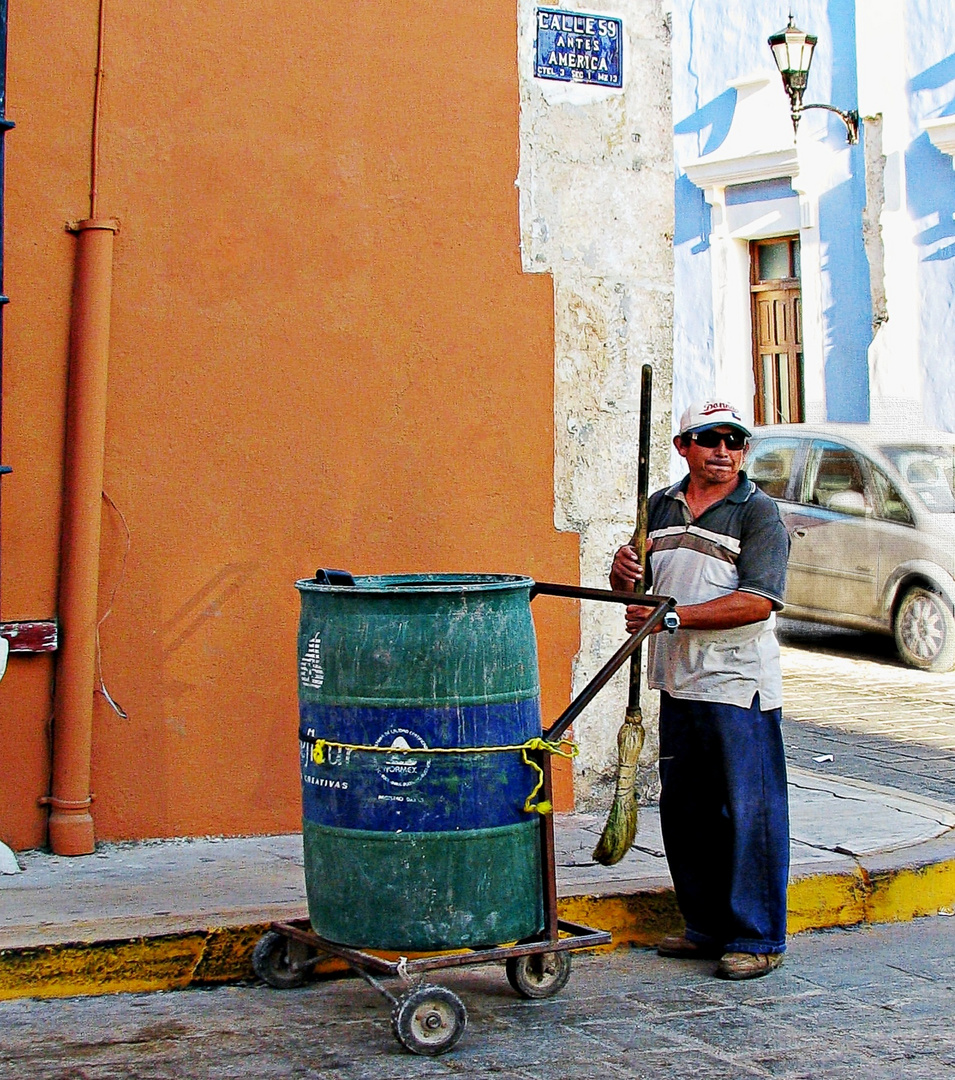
875	1002
848	696
864	688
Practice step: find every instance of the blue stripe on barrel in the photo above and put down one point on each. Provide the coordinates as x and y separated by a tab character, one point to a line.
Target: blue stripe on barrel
418	791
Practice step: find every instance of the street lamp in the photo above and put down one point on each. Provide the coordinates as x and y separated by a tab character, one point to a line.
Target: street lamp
792	51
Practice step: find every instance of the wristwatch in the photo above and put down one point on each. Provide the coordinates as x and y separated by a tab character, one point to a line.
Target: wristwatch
671	621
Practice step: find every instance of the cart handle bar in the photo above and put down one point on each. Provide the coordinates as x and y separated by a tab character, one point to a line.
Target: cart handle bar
615	596
660	604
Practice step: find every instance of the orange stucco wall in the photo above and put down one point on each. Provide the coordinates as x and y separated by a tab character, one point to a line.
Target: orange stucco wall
323	352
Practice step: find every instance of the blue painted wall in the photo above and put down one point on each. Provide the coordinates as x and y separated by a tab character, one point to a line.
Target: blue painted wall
848	315
709	51
702	118
930	181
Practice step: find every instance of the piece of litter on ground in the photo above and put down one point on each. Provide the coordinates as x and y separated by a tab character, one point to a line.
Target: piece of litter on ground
823	758
946	911
8	861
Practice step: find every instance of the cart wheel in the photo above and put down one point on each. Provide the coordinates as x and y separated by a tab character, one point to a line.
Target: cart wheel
429	1020
272	963
539	975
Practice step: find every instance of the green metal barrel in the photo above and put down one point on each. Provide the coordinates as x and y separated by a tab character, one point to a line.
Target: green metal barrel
415	828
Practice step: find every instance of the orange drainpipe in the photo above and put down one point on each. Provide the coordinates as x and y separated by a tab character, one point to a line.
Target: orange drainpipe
71	824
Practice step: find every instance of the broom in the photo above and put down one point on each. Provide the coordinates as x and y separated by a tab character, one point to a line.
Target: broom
621	827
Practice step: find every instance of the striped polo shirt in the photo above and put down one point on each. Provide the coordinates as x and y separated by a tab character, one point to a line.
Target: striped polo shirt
741	544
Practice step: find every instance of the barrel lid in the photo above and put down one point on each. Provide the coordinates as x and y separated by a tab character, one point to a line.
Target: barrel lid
389	584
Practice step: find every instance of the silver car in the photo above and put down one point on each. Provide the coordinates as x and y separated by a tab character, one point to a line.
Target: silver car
872	525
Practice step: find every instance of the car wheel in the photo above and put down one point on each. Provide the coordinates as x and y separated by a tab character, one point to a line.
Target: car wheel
925	631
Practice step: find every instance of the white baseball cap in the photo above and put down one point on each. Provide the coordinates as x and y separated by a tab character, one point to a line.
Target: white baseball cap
711	413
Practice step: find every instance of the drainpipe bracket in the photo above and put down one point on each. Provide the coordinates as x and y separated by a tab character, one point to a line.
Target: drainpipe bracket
111	224
31	636
66	804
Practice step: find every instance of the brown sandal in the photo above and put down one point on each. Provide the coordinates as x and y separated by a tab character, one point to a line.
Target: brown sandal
742	965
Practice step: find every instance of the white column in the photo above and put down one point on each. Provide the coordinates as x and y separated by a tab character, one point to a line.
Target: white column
732	323
812	299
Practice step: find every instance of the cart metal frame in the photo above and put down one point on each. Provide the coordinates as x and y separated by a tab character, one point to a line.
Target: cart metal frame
429	1019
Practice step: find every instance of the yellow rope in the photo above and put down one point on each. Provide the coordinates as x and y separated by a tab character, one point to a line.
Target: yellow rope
571	751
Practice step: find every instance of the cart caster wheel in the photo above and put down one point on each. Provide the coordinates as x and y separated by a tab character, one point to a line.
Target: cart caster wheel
429	1020
539	975
272	962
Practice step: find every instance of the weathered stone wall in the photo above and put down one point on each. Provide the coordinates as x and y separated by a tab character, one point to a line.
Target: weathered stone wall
596	197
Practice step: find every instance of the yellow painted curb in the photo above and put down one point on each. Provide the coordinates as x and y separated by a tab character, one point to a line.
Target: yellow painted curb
111	967
871	894
909	892
170	962
220	955
826	900
640	918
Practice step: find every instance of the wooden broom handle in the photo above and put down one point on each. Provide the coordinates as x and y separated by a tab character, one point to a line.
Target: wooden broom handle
639	541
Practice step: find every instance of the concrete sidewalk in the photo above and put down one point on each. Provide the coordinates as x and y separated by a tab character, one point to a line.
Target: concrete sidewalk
167	914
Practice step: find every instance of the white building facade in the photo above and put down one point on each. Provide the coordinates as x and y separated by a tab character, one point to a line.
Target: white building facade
814	278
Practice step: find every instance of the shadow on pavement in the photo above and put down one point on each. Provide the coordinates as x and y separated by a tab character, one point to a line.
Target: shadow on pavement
855	644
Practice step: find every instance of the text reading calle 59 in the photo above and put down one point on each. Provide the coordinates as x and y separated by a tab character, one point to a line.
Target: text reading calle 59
573	47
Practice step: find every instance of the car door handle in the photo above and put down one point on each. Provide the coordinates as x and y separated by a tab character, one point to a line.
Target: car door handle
799	532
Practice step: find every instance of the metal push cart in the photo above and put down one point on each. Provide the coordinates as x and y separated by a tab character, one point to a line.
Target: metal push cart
427	1018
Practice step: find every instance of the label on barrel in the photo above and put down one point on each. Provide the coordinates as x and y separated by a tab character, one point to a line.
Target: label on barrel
310	670
402	769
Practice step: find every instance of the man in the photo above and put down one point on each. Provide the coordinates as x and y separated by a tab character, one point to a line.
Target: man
718	546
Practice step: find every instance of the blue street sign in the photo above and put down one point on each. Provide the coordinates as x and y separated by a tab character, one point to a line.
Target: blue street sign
572	47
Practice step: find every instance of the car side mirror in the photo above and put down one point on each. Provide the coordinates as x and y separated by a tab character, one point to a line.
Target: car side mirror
848	502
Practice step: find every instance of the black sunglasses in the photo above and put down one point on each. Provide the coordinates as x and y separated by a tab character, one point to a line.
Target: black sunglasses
733	440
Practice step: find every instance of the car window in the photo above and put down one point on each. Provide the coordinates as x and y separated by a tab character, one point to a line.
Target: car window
929	471
835	479
892	507
769	465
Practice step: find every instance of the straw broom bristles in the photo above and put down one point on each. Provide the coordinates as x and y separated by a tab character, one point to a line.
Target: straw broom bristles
622	821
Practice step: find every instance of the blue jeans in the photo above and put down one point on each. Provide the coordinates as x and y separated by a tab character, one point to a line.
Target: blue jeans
725	817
